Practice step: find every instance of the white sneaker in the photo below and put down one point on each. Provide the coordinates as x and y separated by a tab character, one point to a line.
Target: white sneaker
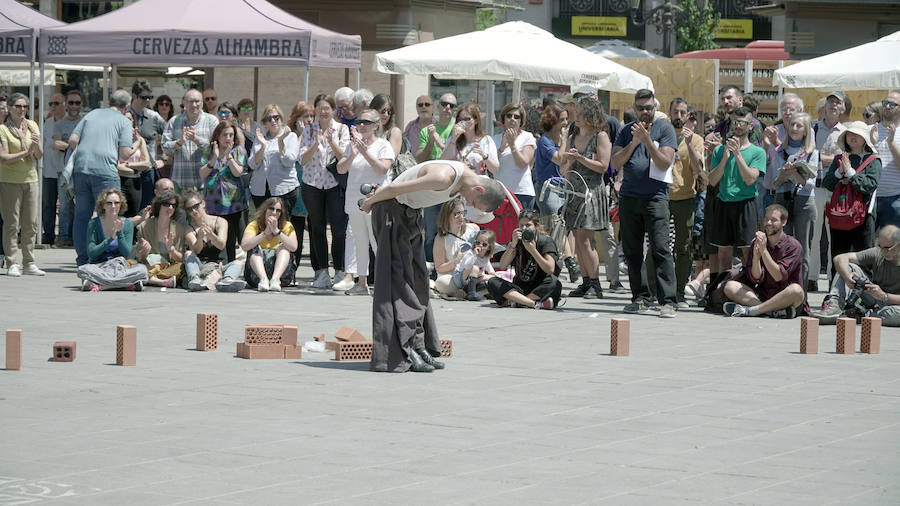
15	270
263	285
322	280
32	270
343	285
275	285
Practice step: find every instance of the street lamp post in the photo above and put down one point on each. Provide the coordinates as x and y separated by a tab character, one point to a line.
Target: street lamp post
664	17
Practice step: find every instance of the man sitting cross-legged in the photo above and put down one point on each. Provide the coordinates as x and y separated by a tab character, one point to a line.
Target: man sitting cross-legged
770	282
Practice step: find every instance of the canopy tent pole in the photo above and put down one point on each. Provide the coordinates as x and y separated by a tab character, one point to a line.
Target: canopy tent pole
516	91
306	84
256	87
489	117
40	209
31	87
114	78
106	87
357	78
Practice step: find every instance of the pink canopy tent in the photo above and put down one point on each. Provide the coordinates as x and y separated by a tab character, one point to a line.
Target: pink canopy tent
19	28
251	33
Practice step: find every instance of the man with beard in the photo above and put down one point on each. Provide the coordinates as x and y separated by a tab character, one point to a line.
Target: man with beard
881	265
644	151
736	165
770	281
688	165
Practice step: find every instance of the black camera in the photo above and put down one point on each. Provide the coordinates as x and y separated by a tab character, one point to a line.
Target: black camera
527	234
858	300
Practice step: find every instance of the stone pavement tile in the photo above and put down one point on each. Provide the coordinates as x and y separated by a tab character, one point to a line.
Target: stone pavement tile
884	495
825	490
574	490
710	487
119	497
300	491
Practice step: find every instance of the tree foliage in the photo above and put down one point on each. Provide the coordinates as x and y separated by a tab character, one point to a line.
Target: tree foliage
697	30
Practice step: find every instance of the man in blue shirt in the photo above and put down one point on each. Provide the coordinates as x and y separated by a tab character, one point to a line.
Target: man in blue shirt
100	139
644	151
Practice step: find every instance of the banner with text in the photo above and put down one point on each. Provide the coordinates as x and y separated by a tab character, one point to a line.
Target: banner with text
734	29
15	46
195	49
599	26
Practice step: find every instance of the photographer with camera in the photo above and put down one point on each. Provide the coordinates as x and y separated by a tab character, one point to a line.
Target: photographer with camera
534	257
868	282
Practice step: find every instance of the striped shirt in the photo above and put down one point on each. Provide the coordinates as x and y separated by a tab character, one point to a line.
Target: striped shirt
188	159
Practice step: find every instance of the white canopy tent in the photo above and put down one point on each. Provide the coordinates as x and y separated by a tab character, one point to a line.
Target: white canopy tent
871	66
514	51
615	48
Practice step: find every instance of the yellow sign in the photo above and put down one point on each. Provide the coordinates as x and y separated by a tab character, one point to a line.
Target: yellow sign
734	29
598	26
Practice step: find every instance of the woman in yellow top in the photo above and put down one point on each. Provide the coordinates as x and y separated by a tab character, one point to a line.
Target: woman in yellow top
20	149
270	242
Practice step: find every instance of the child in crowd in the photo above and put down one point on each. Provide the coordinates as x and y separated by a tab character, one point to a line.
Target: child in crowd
475	267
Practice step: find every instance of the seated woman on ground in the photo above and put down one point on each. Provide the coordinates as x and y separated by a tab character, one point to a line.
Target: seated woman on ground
475	267
534	257
269	241
454	237
109	245
161	241
207	239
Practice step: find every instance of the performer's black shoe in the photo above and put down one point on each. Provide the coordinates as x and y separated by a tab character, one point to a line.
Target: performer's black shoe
428	359
419	364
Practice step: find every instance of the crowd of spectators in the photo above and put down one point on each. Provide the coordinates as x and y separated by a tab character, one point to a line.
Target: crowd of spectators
716	207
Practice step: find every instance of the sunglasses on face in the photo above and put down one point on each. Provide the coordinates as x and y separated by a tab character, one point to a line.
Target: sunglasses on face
511	115
448	104
146	97
209	99
74	102
194	207
246	108
165	104
889	104
647	108
226	112
480	243
169	204
365	122
740	122
386	111
272	117
423	104
888	248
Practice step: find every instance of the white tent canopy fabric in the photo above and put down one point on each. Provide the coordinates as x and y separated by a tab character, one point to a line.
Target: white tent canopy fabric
200	32
514	51
19	25
615	48
871	66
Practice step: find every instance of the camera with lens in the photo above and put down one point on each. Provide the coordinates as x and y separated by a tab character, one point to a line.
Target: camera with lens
527	234
858	300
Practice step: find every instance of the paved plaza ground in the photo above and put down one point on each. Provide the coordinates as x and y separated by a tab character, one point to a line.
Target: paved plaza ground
531	409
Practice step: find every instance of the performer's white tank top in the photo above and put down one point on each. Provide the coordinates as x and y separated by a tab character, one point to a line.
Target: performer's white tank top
427	198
